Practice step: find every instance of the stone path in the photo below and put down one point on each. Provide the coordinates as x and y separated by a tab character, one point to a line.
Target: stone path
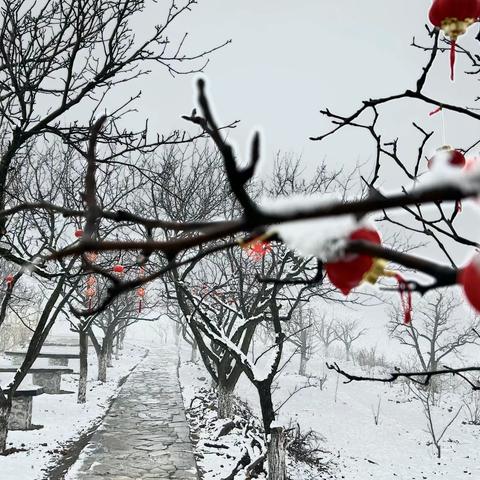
145	434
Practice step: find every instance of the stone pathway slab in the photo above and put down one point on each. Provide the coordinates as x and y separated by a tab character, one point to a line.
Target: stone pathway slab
145	434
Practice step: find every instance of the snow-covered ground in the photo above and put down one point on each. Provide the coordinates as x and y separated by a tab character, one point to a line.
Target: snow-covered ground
62	418
398	447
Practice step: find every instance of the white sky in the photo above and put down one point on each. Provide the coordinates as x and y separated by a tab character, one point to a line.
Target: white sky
288	59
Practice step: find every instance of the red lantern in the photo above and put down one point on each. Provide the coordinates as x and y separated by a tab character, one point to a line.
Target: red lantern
78	233
258	249
140	295
118	268
454	17
9	280
347	273
91	256
469	278
90	292
453	157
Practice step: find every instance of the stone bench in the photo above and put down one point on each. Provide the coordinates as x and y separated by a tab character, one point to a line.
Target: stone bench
48	378
56	359
21	413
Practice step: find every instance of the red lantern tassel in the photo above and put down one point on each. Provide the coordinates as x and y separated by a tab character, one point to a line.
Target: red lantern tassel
90	304
406	297
453	44
437	110
458	206
139	306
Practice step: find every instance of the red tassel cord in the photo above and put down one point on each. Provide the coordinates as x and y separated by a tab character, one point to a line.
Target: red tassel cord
453	44
434	112
458	206
406	298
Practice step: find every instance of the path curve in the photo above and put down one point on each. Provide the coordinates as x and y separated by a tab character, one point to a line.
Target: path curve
145	434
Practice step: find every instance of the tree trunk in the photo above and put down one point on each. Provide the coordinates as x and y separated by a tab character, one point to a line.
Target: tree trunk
276	455
109	354
117	348
275	436
303	353
5	407
225	402
193	353
303	363
82	379
102	366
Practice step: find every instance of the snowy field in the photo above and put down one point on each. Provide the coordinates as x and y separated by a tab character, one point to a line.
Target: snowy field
398	447
62	418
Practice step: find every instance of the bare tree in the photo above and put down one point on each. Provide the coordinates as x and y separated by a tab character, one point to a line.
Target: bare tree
428	403
438	333
299	332
324	328
348	332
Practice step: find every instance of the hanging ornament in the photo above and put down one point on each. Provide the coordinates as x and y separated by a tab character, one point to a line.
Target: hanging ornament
91	256
447	155
469	278
258	247
454	17
91	291
140	294
119	268
9	280
451	157
350	271
78	233
140	290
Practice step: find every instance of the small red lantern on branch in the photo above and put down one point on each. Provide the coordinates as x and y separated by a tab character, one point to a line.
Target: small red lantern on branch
78	233
454	17
469	278
140	290
91	256
452	157
258	247
119	269
91	291
349	272
9	280
140	294
449	155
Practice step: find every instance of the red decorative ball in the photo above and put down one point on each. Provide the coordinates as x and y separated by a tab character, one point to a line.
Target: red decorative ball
469	278
9	278
118	268
78	233
140	292
347	273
